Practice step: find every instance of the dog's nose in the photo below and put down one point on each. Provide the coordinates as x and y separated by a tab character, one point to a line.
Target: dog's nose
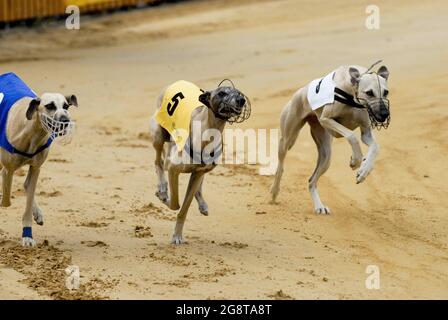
384	114
384	111
64	118
241	101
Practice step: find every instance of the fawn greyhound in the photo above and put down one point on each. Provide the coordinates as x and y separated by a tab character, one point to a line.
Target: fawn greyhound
180	107
28	126
334	106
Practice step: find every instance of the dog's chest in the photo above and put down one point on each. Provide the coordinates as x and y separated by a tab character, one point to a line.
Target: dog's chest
187	162
15	161
350	117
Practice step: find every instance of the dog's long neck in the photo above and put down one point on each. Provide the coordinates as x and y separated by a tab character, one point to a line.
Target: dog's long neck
25	135
214	122
207	120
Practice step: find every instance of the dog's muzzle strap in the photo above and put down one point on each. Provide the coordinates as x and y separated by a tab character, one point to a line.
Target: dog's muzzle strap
346	98
375	123
229	112
58	130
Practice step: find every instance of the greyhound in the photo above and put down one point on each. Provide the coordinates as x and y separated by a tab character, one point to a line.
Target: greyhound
211	110
28	126
356	97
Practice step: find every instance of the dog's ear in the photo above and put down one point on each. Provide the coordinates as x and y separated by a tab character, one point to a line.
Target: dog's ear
354	75
383	72
72	100
32	108
205	98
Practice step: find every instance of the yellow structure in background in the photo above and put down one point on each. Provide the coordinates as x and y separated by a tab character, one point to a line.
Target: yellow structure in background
16	10
93	5
81	3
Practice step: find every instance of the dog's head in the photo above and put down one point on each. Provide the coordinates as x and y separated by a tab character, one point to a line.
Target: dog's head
227	103
372	92
52	110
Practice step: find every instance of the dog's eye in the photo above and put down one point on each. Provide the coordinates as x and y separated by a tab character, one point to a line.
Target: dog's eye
370	93
51	106
386	93
222	94
65	106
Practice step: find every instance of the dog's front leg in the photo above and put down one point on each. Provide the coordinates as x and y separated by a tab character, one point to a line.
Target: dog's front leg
203	207
6	190
173	178
348	134
193	186
27	219
37	212
367	164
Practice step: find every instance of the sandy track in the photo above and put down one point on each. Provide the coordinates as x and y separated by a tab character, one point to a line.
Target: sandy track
98	193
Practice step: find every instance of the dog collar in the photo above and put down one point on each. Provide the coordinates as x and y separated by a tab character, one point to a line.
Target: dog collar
346	98
32	155
217	115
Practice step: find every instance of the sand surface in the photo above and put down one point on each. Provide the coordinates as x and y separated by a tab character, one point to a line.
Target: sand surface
98	193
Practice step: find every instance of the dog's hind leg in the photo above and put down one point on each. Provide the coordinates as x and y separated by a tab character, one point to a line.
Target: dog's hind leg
7	176
323	140
193	186
37	212
157	135
203	207
162	186
27	219
291	122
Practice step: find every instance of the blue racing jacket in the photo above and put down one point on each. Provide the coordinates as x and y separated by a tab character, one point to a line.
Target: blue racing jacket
12	89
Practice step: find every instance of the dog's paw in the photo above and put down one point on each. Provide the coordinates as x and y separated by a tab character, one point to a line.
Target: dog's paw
162	192
363	172
203	209
28	242
178	239
322	210
274	193
172	206
5	203
163	196
38	216
355	162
